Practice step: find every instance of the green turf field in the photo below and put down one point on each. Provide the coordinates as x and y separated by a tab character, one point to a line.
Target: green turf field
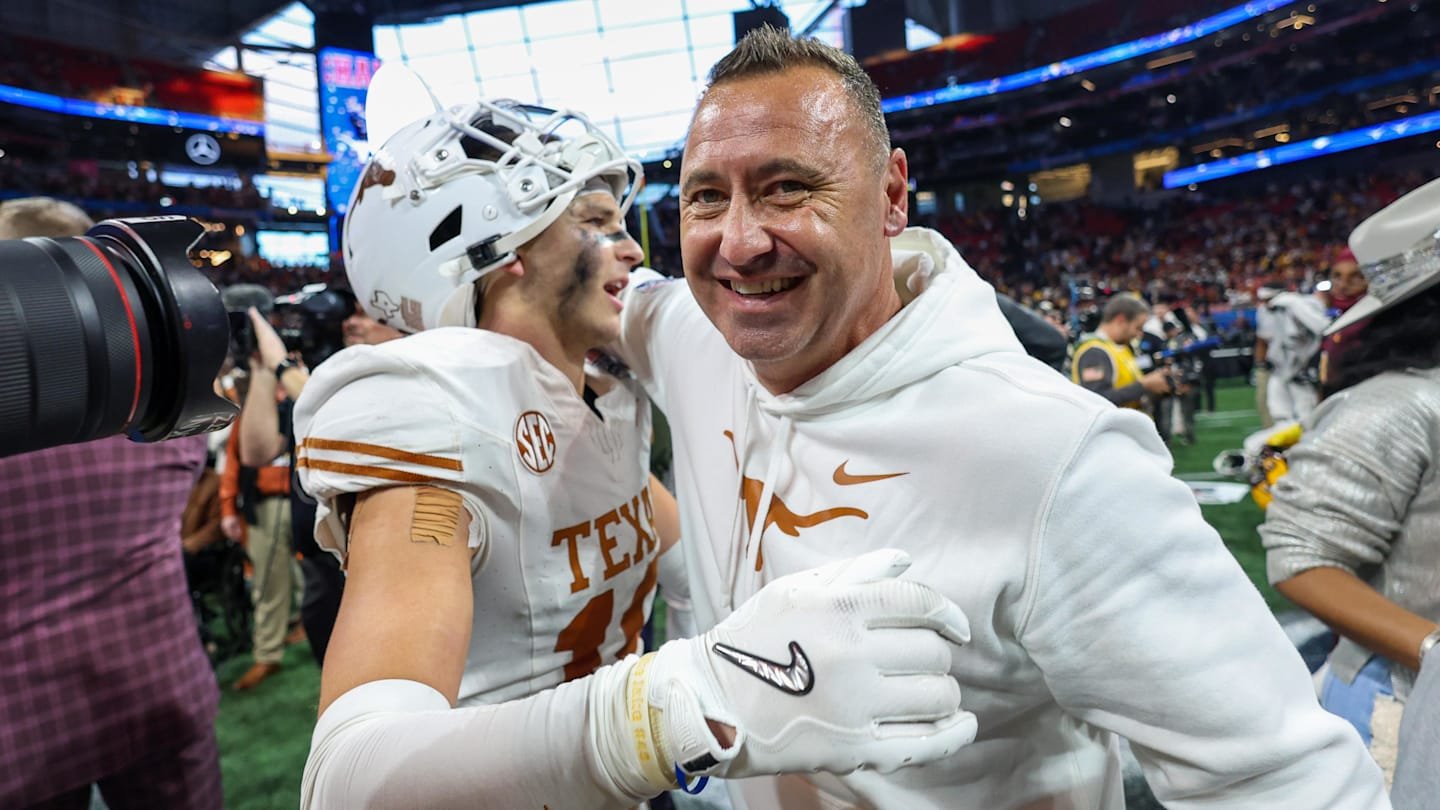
265	733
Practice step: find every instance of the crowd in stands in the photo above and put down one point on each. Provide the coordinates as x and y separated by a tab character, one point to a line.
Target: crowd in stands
1302	83
63	70
280	279
1209	249
92	185
1023	46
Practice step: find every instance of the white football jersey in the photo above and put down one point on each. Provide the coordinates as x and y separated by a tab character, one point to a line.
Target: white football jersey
560	513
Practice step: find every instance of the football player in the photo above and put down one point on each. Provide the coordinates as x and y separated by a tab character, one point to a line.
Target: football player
499	530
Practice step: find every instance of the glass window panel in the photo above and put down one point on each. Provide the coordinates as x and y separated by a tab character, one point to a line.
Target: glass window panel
666	128
545	20
701	8
655	83
294	96
457	88
293	117
494	27
518	87
566	53
712	30
705	58
501	60
441	67
285	28
582	87
618	13
387	42
623	43
223	59
439	36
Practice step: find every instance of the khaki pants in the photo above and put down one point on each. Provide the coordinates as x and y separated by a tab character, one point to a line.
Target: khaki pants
271	588
1262	393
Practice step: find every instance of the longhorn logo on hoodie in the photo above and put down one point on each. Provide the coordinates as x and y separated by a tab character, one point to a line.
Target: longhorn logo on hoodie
790	522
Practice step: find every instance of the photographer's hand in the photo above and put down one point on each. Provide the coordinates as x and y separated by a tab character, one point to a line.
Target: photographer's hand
267	340
232	527
1157	382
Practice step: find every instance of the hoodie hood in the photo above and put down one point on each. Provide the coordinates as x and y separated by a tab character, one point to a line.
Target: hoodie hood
950	316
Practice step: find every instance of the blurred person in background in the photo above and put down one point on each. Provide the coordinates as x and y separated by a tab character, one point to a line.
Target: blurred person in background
1347	287
267	435
103	680
1288	326
255	508
1106	362
1353	532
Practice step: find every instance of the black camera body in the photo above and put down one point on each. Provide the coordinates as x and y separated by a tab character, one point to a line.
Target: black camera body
111	332
312	322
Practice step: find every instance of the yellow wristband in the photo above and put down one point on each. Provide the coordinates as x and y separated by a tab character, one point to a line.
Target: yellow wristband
637	711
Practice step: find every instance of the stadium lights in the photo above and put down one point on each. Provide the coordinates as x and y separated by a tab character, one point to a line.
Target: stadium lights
1167	61
1305	150
1066	122
1175	37
120	112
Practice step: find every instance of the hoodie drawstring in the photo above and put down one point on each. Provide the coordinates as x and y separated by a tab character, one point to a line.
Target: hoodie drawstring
750	547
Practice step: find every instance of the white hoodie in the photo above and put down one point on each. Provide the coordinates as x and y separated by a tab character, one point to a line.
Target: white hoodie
1100	602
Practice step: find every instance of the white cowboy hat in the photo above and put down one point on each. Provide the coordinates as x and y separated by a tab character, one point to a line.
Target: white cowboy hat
1398	250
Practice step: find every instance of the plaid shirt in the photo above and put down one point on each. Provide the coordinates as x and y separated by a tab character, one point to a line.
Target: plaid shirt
100	660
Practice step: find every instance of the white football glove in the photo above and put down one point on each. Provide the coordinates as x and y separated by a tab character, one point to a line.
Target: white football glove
834	669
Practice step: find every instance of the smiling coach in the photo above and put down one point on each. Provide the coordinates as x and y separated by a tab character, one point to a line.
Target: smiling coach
789	358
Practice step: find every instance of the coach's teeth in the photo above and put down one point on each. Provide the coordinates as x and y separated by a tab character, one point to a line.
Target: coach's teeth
774	285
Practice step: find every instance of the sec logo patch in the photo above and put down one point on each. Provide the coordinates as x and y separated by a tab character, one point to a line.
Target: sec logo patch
535	441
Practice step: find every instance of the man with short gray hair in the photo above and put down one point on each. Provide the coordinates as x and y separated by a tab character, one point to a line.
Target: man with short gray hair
818	412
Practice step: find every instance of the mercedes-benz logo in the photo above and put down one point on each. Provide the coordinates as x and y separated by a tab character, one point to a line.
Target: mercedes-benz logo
202	148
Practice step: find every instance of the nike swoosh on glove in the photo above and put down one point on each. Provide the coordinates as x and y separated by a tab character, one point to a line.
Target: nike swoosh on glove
835	669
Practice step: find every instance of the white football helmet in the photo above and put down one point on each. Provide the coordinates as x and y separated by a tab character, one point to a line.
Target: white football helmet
450	197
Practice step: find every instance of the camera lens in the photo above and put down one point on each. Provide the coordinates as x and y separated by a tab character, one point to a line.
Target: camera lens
114	331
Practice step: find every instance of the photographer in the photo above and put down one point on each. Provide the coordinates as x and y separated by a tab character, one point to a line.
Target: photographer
1106	364
266	434
1185	357
106	680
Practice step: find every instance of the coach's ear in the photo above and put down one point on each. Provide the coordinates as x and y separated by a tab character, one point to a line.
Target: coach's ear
897	193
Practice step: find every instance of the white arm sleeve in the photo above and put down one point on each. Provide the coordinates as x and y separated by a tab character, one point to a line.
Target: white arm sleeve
397	743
